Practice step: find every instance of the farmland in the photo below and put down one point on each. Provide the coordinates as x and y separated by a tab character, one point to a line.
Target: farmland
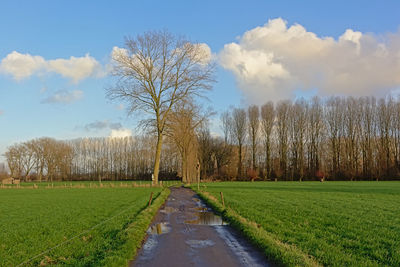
85	226
336	223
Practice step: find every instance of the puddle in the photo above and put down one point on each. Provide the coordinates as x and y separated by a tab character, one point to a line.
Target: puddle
200	243
201	209
159	228
168	209
207	218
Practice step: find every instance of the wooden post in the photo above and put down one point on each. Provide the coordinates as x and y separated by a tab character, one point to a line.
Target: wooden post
151	198
222	198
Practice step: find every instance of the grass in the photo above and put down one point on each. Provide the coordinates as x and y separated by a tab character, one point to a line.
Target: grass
313	223
88	226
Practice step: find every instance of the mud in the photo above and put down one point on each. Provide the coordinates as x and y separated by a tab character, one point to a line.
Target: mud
186	232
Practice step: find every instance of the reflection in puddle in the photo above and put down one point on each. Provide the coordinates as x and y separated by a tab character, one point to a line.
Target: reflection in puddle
168	209
207	218
200	243
202	209
159	228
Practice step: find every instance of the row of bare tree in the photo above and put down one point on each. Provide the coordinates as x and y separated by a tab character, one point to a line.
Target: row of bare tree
47	159
338	138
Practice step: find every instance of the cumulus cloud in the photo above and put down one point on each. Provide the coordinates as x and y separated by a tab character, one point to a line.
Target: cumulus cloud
273	61
21	66
120	133
75	68
100	125
64	97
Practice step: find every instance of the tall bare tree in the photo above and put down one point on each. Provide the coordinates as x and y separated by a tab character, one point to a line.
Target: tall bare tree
238	128
254	123
157	71
267	122
282	116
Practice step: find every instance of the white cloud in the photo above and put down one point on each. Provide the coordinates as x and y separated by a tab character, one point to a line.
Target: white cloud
22	66
271	62
120	133
64	97
75	68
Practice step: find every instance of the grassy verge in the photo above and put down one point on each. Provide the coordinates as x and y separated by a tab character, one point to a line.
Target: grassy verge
276	251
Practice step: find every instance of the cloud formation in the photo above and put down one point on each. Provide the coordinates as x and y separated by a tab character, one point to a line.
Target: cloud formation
100	125
120	133
21	66
64	97
271	62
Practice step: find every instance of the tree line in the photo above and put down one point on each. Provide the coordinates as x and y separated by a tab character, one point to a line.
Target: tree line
338	138
48	159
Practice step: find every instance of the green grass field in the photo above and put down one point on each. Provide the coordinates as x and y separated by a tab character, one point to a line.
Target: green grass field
337	223
86	225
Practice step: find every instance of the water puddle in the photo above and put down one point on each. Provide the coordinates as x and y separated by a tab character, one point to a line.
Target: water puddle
206	218
200	243
159	228
168	209
201	209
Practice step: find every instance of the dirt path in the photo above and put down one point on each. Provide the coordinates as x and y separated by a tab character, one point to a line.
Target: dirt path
186	233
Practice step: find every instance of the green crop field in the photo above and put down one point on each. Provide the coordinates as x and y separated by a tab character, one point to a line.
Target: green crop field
83	225
337	223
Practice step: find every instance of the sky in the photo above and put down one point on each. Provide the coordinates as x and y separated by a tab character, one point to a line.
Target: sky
55	56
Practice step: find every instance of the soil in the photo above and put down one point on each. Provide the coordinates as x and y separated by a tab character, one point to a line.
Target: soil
185	232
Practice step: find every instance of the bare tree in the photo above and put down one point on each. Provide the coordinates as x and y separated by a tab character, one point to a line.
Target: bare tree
239	125
157	71
282	115
334	112
181	128
226	126
254	121
315	135
267	122
297	121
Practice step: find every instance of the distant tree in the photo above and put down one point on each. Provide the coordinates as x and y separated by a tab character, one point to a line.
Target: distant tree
238	129
254	125
226	125
282	117
267	123
157	71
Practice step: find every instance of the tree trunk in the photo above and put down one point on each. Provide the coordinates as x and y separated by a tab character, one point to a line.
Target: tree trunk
239	175
158	158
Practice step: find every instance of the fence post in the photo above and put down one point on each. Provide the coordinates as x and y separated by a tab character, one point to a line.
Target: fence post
151	198
222	199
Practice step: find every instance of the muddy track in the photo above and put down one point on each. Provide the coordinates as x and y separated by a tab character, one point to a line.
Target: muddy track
185	232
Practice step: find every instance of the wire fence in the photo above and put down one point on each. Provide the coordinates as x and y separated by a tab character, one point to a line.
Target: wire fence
74	237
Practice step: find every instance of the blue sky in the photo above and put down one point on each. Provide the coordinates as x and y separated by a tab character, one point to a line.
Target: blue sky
50	104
